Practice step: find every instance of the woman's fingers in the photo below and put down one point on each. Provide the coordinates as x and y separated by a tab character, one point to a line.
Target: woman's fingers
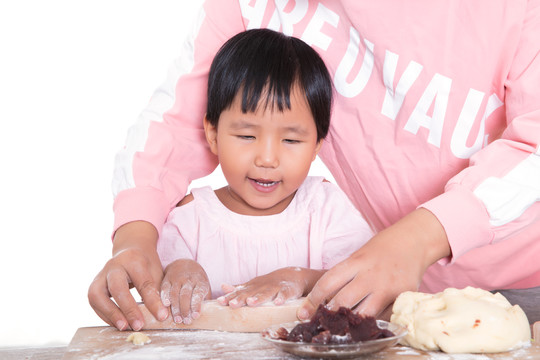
128	267
146	285
105	308
392	262
328	285
118	286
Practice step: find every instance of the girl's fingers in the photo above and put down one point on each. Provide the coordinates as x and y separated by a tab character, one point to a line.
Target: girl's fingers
237	298
255	300
231	292
227	288
174	296
186	295
186	301
165	293
257	295
287	291
252	296
238	301
224	299
199	294
259	298
264	295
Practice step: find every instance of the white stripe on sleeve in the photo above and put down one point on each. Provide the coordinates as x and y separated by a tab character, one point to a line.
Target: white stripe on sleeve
507	198
161	101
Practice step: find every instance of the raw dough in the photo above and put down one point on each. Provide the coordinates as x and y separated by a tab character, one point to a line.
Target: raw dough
470	320
138	338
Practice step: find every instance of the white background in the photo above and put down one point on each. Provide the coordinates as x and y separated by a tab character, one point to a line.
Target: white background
73	77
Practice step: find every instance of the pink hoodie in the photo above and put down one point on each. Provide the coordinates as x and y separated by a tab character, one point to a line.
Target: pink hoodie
437	106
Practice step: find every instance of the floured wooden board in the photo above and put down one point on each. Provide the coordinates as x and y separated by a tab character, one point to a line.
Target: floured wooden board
109	343
218	317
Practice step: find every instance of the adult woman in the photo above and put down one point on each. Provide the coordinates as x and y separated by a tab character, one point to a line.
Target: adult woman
443	98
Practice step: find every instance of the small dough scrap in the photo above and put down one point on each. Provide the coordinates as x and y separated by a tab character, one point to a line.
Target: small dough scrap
138	338
469	320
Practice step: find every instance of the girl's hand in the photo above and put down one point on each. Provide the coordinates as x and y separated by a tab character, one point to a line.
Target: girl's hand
135	262
184	287
393	261
278	286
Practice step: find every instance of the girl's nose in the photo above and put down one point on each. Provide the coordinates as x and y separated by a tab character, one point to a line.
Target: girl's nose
267	155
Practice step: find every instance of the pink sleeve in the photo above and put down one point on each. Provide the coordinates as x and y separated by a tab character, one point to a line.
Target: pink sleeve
497	196
166	149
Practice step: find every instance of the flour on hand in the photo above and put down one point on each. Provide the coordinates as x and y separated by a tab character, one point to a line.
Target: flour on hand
469	320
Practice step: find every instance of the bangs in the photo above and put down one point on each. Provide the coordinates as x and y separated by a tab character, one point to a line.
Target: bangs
263	67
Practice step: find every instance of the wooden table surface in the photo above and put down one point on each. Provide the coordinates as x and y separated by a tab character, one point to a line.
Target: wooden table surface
109	343
33	353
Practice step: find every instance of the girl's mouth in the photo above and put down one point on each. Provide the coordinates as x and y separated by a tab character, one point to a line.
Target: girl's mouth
264	185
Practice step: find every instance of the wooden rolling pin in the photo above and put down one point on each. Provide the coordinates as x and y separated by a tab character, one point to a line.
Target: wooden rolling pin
245	319
224	318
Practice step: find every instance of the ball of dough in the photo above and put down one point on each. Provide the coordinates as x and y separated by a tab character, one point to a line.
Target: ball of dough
469	320
138	338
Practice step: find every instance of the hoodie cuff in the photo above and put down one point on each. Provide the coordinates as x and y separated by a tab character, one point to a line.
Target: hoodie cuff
464	219
146	204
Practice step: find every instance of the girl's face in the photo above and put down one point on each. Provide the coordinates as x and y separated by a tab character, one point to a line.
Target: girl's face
265	156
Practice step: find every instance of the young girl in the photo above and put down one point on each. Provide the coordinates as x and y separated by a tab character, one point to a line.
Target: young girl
272	229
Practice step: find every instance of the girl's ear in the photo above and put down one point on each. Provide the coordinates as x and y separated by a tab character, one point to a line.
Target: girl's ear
211	135
317	149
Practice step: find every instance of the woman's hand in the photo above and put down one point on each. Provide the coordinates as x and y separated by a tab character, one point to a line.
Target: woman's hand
135	262
184	287
278	286
393	261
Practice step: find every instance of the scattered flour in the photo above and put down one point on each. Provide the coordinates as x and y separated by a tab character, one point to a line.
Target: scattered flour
408	351
443	356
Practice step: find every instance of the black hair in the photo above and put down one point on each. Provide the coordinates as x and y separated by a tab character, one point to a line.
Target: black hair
266	63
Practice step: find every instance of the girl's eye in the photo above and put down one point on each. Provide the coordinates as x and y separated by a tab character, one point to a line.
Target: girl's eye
246	137
291	141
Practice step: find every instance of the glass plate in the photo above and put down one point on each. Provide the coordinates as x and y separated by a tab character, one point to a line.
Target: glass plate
341	351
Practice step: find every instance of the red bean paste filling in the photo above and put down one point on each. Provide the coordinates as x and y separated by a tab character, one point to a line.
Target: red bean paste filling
335	327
